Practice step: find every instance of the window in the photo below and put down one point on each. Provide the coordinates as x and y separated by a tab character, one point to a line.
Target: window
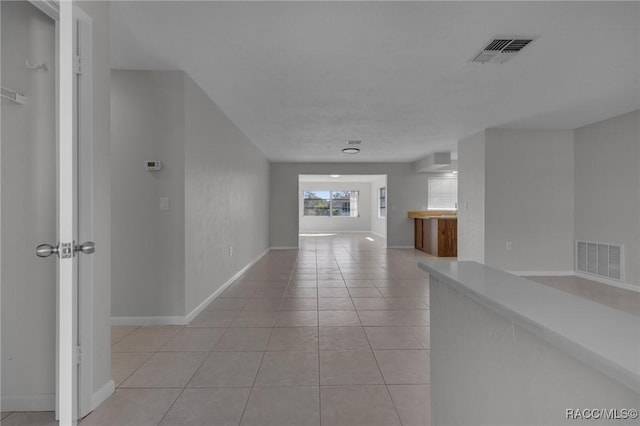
382	202
331	203
317	203
443	193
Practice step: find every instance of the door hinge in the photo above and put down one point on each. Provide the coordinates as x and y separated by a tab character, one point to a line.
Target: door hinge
78	354
77	64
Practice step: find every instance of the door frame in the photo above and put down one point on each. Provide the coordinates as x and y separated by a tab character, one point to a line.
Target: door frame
83	108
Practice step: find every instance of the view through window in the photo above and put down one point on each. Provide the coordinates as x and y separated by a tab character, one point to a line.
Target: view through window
331	203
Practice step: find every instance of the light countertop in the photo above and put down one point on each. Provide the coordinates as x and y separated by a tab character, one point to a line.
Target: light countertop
603	337
431	215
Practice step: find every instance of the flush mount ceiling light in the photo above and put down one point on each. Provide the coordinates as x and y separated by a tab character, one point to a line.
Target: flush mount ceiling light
350	150
335	176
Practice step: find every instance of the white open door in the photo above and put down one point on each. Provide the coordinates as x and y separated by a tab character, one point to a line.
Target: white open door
67	220
48	145
68	349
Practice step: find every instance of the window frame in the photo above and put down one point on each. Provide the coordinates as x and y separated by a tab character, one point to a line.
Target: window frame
382	196
429	191
331	201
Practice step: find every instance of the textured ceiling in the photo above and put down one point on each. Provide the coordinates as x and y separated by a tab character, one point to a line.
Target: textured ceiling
300	79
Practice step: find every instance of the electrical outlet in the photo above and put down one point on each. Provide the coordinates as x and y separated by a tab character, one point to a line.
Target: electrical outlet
508	246
230	250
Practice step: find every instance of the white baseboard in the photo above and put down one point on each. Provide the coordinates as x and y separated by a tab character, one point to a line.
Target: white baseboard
378	235
401	247
148	321
184	320
543	273
191	315
334	232
102	394
42	402
47	402
613	283
284	248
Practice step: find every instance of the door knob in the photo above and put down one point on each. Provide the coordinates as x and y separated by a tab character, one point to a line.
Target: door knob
88	247
46	250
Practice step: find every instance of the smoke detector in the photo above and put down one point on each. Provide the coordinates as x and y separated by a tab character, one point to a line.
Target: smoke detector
501	49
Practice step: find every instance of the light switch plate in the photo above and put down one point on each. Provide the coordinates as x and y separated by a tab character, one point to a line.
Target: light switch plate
164	203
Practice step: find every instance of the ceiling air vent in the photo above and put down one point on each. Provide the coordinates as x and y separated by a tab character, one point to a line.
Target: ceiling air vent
501	49
354	142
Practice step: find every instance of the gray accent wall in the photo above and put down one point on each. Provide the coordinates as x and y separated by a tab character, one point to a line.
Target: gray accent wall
516	186
147	123
542	190
226	196
607	187
168	263
529	199
471	197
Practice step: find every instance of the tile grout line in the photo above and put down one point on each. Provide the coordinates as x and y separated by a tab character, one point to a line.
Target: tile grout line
327	266
318	329
246	404
386	385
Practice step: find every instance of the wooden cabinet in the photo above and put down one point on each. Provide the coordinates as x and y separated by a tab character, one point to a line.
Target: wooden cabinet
418	233
437	236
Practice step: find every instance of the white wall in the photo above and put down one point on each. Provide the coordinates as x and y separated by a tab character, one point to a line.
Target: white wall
471	197
517	186
406	190
227	198
167	263
529	199
378	224
607	182
28	193
362	223
148	122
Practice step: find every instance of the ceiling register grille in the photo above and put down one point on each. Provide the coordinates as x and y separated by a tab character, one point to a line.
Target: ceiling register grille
501	49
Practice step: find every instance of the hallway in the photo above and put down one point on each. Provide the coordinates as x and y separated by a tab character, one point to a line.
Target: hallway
335	333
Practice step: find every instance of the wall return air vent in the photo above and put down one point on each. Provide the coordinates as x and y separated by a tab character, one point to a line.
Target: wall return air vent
500	49
600	259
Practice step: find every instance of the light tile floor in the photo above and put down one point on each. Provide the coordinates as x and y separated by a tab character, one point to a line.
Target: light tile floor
336	333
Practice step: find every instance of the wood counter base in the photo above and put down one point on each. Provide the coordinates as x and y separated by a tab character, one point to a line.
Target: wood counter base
437	236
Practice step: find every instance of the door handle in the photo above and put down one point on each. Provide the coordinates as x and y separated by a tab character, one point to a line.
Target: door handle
88	247
46	250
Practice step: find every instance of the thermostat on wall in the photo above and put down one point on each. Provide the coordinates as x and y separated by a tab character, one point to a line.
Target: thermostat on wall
152	165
